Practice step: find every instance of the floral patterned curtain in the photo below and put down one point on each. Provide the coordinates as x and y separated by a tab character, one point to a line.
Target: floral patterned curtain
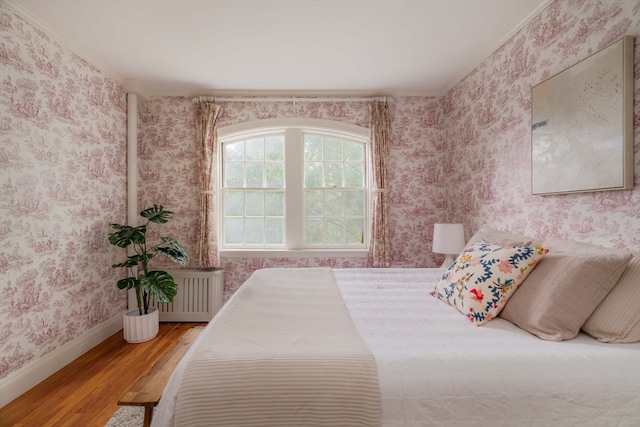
380	126
207	114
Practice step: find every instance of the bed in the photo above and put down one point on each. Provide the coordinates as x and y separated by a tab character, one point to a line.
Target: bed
431	366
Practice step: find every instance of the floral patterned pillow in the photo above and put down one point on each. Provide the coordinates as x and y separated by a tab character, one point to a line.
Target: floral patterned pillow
484	276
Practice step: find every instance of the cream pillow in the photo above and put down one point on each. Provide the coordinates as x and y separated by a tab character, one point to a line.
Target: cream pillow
503	238
617	318
562	292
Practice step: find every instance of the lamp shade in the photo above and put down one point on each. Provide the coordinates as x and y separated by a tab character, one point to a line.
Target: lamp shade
448	239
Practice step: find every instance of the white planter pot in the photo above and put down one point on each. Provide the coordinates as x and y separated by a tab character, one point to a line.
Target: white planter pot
141	328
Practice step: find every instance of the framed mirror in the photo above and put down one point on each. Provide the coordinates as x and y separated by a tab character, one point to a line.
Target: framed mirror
582	125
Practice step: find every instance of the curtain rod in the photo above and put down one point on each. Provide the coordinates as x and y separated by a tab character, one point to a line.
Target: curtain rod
287	99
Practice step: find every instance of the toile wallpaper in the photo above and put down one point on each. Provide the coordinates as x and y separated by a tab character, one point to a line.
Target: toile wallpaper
166	130
462	157
62	181
488	117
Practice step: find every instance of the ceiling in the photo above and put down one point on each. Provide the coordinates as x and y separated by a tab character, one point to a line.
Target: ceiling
233	47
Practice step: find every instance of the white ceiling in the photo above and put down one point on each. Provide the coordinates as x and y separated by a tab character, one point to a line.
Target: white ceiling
227	47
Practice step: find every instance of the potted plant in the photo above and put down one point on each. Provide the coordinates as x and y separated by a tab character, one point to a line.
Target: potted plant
143	324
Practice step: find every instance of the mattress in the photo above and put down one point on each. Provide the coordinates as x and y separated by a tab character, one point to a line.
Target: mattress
436	369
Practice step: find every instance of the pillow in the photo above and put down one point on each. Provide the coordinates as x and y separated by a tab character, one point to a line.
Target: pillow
562	292
559	245
484	276
503	238
617	318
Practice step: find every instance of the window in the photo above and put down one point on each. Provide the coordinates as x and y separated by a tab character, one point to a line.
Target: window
294	186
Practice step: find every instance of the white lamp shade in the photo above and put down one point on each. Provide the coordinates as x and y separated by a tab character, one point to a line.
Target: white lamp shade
448	239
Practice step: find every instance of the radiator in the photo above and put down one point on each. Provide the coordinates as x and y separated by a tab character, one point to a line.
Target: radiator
200	296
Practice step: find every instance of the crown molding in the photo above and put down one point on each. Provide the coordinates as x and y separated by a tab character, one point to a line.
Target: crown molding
135	86
301	94
14	6
504	39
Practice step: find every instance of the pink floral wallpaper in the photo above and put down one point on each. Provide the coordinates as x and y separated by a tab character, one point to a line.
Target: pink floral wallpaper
166	130
463	157
487	127
62	181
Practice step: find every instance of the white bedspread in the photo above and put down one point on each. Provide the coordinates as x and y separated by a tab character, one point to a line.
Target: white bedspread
436	369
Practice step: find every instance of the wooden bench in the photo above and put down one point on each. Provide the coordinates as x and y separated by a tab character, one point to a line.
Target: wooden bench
148	390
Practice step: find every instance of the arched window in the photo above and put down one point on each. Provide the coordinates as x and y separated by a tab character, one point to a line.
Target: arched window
294	185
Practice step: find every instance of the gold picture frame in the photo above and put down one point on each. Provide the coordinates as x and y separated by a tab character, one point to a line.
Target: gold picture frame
582	125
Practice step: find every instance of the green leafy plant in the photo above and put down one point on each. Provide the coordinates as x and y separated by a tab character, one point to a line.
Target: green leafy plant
155	284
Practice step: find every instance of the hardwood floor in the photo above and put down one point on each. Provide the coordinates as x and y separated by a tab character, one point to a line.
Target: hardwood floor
85	393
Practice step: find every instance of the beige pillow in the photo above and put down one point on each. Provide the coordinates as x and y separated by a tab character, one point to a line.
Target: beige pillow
559	245
617	318
562	292
502	238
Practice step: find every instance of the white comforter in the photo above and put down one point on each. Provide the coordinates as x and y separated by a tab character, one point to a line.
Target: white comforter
436	369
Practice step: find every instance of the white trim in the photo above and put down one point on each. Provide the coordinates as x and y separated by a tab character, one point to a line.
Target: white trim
245	129
20	381
295	99
483	56
302	253
136	86
294	189
63	41
265	93
132	177
294	128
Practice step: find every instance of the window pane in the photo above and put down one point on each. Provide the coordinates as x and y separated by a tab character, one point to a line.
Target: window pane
335	231
274	148
313	231
234	203
313	203
355	231
254	203
233	174
255	190
353	174
353	151
275	175
313	174
275	231
312	148
333	203
255	231
255	149
354	203
255	173
333	174
332	149
234	151
233	230
275	203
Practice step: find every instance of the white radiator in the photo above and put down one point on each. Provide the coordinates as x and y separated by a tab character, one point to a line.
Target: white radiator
199	297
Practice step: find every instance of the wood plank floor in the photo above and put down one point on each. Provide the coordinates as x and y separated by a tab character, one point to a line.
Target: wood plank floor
86	392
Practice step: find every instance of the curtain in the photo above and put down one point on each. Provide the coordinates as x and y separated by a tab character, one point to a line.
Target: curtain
380	127
207	114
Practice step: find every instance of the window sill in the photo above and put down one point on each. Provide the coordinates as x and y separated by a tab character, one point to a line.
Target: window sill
302	253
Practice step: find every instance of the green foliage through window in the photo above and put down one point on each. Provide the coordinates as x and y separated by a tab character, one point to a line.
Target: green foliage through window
330	189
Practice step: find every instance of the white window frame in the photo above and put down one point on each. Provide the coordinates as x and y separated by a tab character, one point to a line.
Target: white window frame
293	245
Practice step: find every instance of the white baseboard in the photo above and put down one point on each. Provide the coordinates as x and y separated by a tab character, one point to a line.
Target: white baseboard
20	381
